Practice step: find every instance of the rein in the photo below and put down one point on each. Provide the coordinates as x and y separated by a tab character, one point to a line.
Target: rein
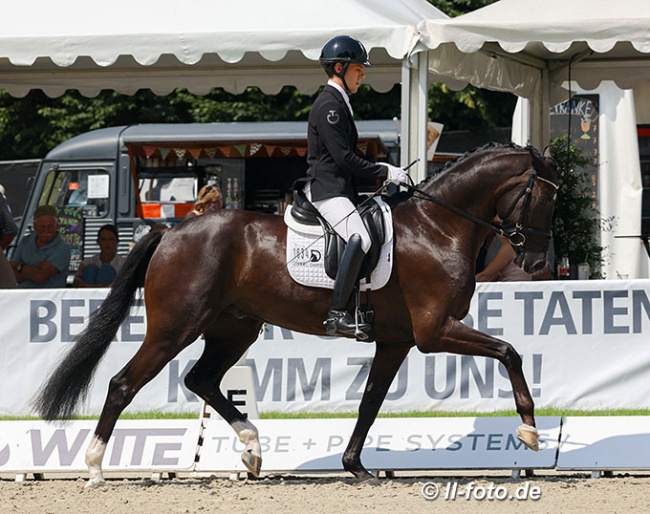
516	233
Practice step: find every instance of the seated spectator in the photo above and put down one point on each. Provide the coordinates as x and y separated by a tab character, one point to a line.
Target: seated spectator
499	263
209	199
42	258
100	270
8	230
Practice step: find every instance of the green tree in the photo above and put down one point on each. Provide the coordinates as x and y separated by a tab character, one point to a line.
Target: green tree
576	220
455	8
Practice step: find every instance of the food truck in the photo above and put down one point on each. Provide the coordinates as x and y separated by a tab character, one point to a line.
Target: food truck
140	176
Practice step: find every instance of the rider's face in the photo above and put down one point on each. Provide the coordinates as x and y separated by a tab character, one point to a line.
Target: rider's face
354	75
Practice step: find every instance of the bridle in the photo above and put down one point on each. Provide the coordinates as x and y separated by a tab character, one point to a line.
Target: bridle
516	233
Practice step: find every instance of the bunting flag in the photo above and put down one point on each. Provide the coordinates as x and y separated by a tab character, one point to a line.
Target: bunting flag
259	150
195	152
149	151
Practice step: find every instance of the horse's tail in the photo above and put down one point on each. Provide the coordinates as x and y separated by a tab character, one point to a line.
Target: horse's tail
68	384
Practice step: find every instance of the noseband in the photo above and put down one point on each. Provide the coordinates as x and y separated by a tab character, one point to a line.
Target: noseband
516	233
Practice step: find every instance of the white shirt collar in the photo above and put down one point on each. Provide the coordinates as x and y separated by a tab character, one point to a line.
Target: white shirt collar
342	91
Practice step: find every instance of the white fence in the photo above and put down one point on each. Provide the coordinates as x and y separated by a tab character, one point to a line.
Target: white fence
313	445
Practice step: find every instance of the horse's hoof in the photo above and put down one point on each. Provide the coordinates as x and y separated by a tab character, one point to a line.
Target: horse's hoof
367	479
94	482
529	436
252	462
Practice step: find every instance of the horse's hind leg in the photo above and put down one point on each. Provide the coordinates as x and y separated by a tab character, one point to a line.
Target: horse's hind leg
149	360
224	345
461	339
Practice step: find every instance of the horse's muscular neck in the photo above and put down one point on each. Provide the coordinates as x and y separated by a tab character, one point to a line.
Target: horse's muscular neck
474	185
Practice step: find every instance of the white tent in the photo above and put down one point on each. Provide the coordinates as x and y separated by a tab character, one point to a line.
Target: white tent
532	49
126	45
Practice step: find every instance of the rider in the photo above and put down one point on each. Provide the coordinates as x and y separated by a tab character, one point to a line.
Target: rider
331	143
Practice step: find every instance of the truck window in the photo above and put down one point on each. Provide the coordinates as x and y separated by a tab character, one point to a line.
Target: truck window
85	188
166	195
168	189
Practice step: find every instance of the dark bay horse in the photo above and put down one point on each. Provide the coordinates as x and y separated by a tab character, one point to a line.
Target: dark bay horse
223	275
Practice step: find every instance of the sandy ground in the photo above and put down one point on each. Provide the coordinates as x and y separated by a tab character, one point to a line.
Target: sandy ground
565	493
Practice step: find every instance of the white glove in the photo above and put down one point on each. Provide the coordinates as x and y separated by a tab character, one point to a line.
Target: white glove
396	174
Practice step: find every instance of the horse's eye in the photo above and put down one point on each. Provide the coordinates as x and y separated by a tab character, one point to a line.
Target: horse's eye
543	200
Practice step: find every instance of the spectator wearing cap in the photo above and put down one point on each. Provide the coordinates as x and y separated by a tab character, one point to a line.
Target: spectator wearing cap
42	258
8	230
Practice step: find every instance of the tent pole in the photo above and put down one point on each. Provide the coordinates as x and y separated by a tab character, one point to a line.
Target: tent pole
546	108
413	142
540	121
405	131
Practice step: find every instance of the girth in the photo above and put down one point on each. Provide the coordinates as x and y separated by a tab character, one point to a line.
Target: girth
304	212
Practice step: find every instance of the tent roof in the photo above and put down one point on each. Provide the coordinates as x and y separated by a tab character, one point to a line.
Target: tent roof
499	45
199	44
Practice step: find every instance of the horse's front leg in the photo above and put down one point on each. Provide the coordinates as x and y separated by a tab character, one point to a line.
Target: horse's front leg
461	339
385	365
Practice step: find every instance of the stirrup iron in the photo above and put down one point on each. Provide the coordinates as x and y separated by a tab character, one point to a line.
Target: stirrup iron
358	333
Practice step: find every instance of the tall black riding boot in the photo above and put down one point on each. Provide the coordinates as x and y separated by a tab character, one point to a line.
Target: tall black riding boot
339	321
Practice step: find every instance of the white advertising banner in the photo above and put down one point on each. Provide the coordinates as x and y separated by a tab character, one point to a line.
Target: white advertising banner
38	326
604	443
584	345
37	447
392	444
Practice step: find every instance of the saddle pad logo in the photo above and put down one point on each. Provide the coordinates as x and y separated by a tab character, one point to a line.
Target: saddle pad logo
303	255
333	117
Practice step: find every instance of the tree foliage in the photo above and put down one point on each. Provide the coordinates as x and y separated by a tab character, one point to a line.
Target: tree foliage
576	221
457	7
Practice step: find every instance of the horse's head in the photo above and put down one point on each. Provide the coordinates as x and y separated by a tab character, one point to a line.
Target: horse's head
527	211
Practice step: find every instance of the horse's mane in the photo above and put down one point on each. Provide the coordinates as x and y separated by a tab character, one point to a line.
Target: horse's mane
457	161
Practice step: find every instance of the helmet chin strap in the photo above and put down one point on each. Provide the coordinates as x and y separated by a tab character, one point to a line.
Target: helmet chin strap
341	75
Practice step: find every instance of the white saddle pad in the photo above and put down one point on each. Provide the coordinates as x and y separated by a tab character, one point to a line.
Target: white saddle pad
306	253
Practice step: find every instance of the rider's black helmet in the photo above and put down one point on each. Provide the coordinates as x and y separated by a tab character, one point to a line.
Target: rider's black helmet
343	49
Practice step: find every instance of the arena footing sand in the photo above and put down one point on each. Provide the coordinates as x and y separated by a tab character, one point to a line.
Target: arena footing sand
556	492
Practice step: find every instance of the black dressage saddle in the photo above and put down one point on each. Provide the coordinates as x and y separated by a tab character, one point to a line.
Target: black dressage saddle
305	213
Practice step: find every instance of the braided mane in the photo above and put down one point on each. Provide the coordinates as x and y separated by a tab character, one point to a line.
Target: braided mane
456	161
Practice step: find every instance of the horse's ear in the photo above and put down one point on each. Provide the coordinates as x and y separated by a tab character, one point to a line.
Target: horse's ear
548	151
